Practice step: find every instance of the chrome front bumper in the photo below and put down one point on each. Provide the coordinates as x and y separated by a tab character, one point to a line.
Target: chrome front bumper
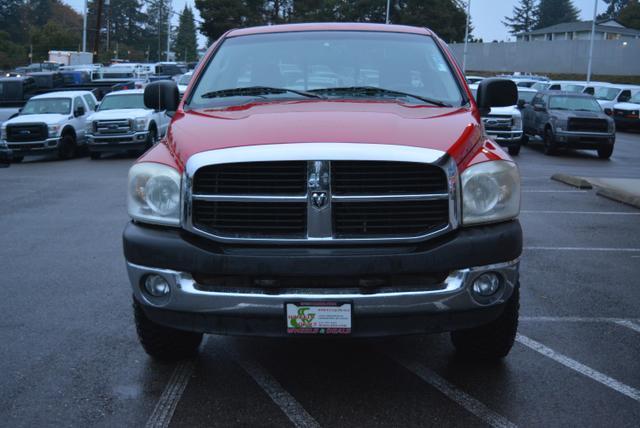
505	136
455	295
26	147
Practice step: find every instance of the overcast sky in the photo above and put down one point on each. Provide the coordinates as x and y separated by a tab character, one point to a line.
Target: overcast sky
485	14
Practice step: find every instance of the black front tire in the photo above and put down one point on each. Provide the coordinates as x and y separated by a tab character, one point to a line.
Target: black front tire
550	145
164	343
491	341
151	139
67	147
514	150
605	152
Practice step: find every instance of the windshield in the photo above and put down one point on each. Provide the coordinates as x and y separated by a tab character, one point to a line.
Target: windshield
185	79
604	93
635	99
574	103
47	106
527	96
115	102
574	88
320	60
540	86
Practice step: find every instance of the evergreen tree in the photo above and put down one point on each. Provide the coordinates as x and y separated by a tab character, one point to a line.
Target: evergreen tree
630	15
524	17
185	44
12	13
156	29
552	12
614	8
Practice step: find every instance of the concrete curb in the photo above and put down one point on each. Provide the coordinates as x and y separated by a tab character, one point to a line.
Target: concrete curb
619	196
571	180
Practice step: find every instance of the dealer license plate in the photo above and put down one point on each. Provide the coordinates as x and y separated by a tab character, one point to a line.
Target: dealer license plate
318	318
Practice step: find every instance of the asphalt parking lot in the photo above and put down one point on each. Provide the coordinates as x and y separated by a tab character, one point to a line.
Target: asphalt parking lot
70	357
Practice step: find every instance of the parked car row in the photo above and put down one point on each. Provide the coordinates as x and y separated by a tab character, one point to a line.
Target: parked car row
64	123
565	114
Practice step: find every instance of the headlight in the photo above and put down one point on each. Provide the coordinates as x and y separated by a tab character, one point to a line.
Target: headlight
612	126
517	122
154	194
89	128
140	123
53	130
490	192
3	133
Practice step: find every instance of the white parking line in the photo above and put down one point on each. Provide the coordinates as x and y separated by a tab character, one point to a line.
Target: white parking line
582	212
553	191
287	403
455	394
163	412
603	379
578	319
601	249
629	324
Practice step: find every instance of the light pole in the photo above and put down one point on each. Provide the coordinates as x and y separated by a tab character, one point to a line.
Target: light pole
168	29
466	38
593	36
388	7
84	28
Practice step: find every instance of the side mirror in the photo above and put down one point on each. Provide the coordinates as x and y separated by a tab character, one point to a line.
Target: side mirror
496	93
79	111
539	107
97	106
521	104
608	111
162	95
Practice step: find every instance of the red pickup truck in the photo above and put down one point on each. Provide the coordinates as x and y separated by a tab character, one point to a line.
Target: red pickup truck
325	179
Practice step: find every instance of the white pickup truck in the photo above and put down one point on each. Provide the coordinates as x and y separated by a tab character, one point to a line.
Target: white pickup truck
504	124
122	123
50	123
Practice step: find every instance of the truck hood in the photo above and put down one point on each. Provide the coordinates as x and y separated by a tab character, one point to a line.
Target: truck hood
566	114
49	119
445	129
627	106
120	114
510	110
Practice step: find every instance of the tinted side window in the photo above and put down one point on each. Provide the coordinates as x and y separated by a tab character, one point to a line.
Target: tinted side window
77	102
89	100
624	96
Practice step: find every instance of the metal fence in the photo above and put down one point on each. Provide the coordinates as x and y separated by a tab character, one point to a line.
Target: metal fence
610	57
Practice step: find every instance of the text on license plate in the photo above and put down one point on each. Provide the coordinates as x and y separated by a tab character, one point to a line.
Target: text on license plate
318	318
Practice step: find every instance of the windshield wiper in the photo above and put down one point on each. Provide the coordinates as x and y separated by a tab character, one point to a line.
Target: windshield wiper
374	90
257	91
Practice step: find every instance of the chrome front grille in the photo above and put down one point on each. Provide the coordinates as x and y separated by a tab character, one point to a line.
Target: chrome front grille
320	201
112	127
497	123
26	132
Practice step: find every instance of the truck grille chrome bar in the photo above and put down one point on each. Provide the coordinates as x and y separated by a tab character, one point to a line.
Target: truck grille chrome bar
356	199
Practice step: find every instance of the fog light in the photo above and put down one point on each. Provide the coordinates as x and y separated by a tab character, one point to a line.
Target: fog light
156	286
486	284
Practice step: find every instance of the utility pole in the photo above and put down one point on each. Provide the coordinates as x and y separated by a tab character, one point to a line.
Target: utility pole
159	31
593	36
84	28
168	28
108	6
96	39
388	7
466	38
